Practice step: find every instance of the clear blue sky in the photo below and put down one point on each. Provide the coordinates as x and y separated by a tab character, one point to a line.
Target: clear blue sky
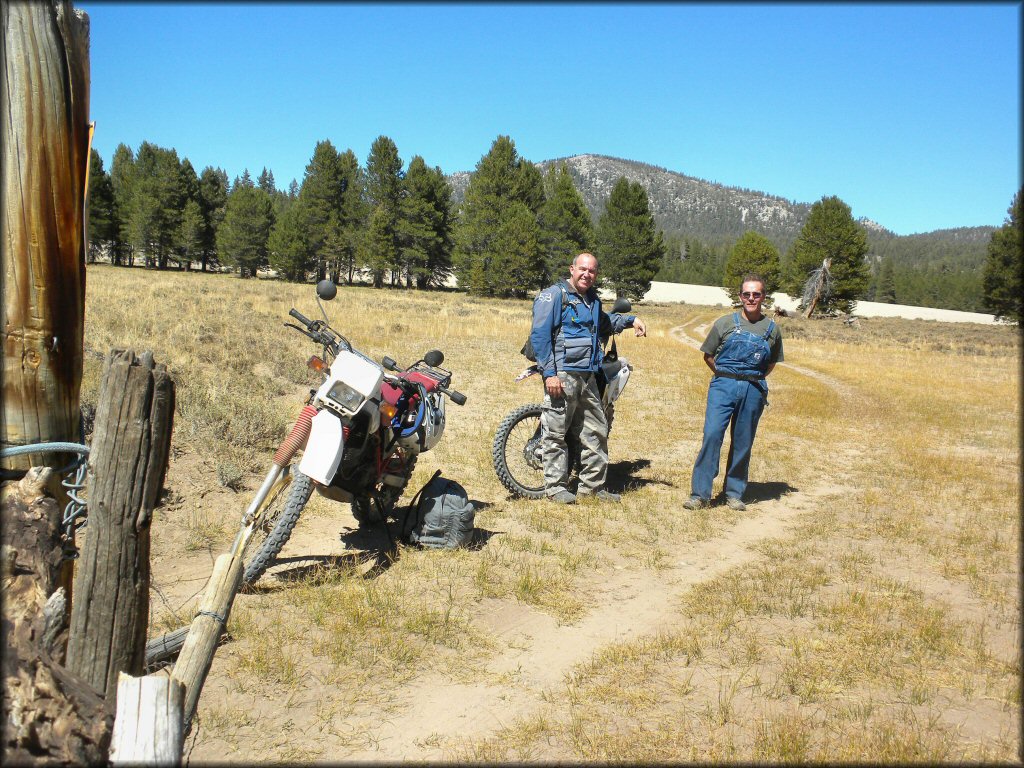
909	113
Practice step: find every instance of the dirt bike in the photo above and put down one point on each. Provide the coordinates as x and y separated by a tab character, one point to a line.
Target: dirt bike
362	431
516	451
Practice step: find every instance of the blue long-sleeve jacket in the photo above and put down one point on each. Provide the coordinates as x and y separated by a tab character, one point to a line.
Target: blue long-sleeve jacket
569	338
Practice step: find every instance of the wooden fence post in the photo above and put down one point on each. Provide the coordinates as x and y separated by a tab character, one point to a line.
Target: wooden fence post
127	464
148	726
44	140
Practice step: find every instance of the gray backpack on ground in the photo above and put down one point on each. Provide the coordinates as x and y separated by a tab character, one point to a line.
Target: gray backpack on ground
440	515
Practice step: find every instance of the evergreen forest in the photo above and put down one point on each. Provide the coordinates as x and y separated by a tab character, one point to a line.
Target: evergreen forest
508	228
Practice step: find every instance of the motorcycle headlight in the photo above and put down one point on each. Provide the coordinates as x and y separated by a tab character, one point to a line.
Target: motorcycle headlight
342	394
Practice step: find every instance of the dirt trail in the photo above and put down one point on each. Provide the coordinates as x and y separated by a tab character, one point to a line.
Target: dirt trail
632	603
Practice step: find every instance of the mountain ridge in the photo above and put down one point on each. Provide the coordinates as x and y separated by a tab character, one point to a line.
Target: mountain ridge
712	212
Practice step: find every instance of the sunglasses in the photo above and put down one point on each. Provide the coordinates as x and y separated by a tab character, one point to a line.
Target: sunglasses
751	294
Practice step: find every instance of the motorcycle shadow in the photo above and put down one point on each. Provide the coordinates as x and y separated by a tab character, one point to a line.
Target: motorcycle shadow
621	476
372	550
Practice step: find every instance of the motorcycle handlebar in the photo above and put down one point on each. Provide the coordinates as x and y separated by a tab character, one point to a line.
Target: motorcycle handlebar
300	317
457	397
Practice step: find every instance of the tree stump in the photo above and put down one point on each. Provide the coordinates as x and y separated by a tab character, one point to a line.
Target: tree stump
49	714
127	465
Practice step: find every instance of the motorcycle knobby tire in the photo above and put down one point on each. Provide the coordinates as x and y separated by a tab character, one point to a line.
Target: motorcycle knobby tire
298	493
519	478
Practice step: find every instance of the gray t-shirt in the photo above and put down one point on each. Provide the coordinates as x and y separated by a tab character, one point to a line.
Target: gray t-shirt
725	325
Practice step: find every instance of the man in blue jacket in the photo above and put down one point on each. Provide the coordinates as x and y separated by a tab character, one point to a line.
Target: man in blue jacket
568	326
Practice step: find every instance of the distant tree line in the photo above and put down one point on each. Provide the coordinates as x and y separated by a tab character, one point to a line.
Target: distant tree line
515	231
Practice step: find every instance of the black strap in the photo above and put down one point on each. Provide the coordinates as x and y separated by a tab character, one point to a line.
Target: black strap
738	376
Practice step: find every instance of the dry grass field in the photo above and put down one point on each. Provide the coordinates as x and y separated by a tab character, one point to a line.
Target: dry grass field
865	607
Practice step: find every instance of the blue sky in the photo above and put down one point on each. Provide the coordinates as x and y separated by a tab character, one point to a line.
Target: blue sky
910	113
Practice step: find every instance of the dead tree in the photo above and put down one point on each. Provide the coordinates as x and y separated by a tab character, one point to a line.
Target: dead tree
50	715
127	465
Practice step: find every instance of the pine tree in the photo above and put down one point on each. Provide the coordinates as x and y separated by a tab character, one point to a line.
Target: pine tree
500	181
753	253
321	194
156	205
885	288
1004	264
213	200
830	232
630	248
288	247
384	192
122	176
266	182
192	231
244	233
103	224
566	226
352	216
425	224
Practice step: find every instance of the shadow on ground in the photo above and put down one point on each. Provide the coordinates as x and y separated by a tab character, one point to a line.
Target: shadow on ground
622	476
767	491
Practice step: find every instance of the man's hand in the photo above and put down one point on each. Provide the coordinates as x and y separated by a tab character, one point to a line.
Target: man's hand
638	327
553	386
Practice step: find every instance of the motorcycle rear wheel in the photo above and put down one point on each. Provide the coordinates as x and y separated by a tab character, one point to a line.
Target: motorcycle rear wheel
364	508
278	516
516	452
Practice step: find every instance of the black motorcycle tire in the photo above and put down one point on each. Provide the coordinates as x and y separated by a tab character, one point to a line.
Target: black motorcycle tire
513	438
281	516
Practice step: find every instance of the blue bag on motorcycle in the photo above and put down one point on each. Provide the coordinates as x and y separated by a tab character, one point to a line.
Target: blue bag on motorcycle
440	515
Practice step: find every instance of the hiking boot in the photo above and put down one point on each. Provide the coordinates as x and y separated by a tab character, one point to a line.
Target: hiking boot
733	503
696	502
603	495
563	497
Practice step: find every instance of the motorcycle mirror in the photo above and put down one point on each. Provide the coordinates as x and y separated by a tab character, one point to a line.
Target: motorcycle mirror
326	290
434	358
621	305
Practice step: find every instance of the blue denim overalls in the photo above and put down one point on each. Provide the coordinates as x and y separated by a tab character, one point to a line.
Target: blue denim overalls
737	394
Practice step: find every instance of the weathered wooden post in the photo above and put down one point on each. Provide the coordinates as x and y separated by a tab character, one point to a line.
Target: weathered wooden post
127	464
148	728
44	135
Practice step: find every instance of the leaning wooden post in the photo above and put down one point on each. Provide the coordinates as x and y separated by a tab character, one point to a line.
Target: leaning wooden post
127	464
44	136
201	643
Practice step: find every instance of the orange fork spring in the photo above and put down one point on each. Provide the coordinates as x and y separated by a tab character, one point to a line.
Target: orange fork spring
296	438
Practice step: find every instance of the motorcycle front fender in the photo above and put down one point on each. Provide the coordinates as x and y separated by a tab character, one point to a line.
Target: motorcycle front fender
323	451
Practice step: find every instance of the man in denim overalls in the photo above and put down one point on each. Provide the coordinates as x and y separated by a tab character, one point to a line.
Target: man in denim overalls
741	350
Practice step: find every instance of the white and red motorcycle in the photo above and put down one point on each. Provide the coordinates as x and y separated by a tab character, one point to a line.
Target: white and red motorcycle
362	431
516	451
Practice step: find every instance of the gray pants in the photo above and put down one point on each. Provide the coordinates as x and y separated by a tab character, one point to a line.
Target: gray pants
579	413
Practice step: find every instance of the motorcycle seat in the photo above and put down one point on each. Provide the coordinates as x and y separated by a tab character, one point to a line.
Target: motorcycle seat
391	393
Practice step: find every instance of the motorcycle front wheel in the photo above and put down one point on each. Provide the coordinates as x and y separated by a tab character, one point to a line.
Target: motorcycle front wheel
516	452
276	519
